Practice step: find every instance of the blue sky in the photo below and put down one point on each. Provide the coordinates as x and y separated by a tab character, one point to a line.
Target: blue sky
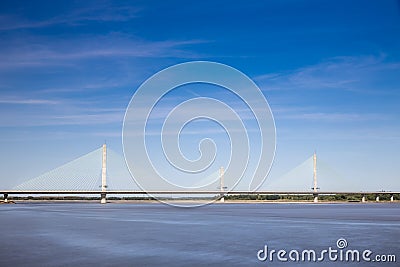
329	69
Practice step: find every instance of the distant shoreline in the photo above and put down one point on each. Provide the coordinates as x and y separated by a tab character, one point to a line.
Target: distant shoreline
33	201
235	199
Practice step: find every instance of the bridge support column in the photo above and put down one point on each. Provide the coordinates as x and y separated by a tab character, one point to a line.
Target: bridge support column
103	195
103	198
5	198
221	180
315	198
377	198
363	198
391	198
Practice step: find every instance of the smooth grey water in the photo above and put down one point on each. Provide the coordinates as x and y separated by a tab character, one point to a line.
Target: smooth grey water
88	234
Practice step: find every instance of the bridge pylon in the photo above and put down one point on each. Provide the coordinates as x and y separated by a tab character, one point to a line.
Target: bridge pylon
103	195
221	180
315	186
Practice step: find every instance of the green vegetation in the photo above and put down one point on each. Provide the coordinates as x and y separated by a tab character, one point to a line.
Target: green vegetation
252	197
327	198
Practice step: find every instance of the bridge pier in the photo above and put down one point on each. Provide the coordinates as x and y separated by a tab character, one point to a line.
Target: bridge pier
315	198
377	198
5	198
103	197
222	199
391	198
363	198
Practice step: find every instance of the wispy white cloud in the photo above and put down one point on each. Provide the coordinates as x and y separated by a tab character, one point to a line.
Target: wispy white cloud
31	112
357	73
332	117
301	98
39	51
28	101
329	134
34	120
86	119
311	114
102	11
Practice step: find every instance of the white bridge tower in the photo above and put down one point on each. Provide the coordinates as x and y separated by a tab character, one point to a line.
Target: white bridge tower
222	187
104	176
315	187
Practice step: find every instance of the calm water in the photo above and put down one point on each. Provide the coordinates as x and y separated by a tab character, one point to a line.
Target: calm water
86	234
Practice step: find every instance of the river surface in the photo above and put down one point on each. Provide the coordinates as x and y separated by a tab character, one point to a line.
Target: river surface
90	234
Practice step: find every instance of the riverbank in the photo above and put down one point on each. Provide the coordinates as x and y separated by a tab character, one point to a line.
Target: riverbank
185	201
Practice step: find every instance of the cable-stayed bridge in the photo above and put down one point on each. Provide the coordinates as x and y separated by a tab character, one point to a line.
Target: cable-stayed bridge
104	171
85	174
